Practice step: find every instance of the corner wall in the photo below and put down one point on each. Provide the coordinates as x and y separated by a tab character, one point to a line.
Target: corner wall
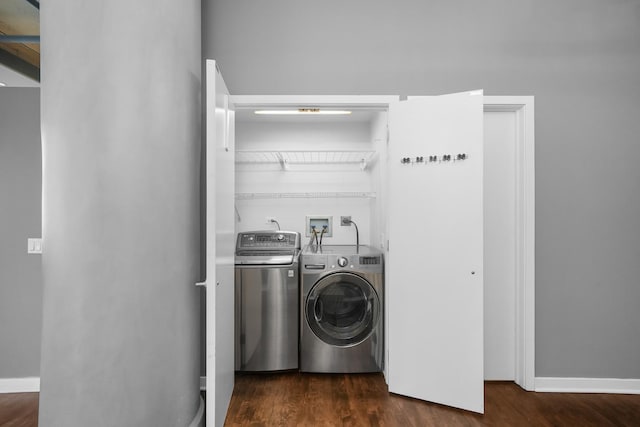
121	109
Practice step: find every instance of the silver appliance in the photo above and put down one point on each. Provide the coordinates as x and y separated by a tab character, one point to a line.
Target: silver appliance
266	300
341	309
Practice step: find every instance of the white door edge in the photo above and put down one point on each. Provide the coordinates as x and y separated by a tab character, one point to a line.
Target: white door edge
210	74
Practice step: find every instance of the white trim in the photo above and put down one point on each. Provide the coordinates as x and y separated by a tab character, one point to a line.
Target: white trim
587	385
364	101
20	385
523	106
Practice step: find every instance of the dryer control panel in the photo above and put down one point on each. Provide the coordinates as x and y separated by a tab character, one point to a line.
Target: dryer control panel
341	261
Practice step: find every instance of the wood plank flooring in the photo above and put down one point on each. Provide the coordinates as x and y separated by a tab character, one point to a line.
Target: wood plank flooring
19	410
294	399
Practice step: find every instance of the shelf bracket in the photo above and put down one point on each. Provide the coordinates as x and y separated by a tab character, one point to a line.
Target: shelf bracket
283	162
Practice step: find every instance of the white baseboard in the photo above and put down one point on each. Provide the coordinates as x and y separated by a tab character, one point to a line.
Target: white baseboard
543	385
587	385
20	385
32	385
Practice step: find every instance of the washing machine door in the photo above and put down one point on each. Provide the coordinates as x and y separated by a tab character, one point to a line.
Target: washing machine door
342	309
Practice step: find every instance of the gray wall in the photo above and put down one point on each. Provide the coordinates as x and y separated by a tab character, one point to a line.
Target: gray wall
579	58
20	218
121	182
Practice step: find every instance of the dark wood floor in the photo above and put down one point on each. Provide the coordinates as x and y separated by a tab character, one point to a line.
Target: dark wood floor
293	399
19	410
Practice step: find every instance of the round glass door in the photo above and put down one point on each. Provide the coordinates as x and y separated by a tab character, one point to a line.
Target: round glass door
342	309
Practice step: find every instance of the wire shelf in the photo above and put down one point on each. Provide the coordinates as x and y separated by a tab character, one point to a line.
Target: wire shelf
286	158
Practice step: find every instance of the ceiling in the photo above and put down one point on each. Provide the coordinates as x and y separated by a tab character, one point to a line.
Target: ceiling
19	41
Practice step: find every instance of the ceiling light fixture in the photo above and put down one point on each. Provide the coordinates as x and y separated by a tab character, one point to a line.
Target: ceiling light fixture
3	84
303	111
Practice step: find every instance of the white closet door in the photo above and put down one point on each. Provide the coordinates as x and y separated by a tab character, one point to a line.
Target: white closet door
220	246
434	275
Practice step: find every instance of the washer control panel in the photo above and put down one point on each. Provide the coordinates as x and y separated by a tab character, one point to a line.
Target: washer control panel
258	240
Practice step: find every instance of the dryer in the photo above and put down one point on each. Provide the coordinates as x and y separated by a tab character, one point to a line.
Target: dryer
341	309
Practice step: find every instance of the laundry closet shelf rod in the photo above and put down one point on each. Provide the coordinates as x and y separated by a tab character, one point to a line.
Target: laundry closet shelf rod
307	195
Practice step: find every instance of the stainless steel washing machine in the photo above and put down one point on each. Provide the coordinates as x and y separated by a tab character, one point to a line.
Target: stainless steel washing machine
266	300
341	309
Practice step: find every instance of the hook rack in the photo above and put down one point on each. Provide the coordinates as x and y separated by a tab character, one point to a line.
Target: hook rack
434	159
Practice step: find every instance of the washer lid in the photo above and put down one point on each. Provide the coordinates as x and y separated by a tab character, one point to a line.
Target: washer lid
265	257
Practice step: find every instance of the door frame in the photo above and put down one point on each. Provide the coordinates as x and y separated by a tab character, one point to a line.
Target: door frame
523	107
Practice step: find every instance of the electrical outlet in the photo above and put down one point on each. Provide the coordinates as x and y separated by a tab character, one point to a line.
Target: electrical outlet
34	245
345	220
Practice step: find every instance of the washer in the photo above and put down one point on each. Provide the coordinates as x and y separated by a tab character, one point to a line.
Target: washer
266	300
341	309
